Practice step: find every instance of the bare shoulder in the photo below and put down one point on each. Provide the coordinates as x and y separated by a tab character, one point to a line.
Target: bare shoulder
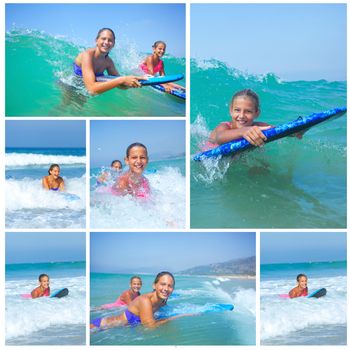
261	124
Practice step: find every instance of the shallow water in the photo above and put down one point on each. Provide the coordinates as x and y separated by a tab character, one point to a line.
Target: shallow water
218	328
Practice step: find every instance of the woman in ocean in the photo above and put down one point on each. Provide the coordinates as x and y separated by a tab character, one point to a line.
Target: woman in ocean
93	62
141	310
53	181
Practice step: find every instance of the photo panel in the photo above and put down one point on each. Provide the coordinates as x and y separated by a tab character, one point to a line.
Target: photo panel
199	287
45	169
137	174
95	60
303	288
272	81
45	288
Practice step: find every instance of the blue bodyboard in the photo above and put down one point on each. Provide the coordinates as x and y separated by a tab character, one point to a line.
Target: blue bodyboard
302	123
150	81
60	293
318	293
175	92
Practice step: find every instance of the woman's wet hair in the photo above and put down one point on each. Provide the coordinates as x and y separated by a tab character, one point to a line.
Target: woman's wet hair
158	43
43	275
249	94
300	276
135	144
102	30
164	273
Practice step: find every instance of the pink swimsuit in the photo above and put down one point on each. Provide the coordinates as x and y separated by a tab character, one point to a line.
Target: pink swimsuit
156	69
209	145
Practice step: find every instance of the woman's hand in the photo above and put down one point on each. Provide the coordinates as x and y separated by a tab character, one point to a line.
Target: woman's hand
132	81
254	135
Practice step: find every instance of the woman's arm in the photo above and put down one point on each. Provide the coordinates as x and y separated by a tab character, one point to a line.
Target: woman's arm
45	183
96	88
61	185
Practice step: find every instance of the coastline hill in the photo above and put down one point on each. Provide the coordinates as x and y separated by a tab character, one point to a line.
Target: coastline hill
244	266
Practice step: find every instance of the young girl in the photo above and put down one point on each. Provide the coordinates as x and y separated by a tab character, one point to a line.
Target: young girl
116	168
301	289
244	109
133	182
53	181
142	309
43	290
93	62
127	296
153	64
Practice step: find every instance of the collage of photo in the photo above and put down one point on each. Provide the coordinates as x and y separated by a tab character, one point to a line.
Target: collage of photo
137	216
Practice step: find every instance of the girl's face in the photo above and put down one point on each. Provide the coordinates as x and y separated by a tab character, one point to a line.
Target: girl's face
105	41
116	166
55	172
164	287
44	282
302	282
135	285
137	160
159	50
243	112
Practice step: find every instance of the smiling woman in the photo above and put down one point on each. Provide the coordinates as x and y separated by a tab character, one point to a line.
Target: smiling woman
93	62
142	309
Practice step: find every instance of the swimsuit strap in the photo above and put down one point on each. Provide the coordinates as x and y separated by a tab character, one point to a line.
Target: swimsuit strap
78	71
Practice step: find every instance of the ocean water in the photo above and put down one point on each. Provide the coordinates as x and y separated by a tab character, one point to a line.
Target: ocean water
45	321
28	205
303	321
235	327
166	207
289	183
39	73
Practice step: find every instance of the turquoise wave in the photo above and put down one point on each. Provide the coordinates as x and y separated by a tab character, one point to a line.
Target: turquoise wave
39	75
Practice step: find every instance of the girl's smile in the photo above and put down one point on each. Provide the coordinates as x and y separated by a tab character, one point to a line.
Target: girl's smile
137	159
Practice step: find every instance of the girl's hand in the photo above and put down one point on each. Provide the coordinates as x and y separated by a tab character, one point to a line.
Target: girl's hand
132	81
254	135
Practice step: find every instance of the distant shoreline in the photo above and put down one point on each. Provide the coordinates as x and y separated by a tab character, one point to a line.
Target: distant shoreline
231	276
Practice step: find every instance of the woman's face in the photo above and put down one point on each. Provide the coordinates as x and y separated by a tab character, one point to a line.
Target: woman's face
164	287
55	172
105	42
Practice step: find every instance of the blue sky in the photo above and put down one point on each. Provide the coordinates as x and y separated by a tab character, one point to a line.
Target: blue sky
292	247
142	24
174	251
109	139
45	133
36	247
293	41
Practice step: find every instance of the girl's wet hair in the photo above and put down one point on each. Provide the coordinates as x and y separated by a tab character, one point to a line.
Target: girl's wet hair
300	276
135	144
117	161
247	93
102	30
135	277
163	273
53	166
43	275
159	42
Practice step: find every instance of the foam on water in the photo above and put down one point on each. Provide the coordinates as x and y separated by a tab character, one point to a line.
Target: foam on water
281	317
25	316
30	159
165	208
29	205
